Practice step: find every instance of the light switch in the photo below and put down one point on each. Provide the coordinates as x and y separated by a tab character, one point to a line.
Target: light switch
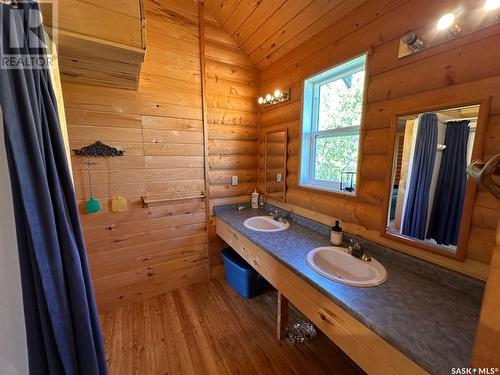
234	180
278	178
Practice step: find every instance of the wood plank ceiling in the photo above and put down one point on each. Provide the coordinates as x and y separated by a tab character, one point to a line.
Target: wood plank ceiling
267	29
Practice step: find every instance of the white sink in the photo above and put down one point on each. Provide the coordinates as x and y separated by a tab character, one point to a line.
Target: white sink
336	264
265	224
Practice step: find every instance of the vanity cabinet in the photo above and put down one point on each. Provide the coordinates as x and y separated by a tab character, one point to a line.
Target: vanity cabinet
99	43
373	354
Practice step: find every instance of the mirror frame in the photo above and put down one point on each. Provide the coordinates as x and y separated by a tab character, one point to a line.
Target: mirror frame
471	187
285	130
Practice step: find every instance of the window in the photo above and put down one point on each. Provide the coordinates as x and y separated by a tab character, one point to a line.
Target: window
333	106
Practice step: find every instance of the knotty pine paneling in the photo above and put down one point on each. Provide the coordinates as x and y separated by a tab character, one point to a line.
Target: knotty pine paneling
459	70
148	251
267	30
130	252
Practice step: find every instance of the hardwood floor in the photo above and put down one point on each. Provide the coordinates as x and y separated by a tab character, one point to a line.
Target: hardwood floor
209	329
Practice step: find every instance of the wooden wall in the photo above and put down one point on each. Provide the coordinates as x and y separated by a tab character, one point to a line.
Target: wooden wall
232	116
463	69
148	251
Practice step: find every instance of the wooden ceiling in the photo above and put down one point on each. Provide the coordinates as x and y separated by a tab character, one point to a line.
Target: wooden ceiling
267	29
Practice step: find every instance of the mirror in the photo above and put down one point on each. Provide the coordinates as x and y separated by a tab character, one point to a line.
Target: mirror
429	183
275	156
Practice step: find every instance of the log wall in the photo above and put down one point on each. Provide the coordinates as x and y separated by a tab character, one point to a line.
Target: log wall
460	70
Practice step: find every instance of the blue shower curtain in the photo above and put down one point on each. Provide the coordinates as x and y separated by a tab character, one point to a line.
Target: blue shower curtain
417	203
62	325
444	225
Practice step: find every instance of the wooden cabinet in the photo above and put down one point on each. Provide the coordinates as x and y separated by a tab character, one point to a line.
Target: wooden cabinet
99	42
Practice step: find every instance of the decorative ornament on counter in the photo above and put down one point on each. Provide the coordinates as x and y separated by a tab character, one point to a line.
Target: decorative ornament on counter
301	331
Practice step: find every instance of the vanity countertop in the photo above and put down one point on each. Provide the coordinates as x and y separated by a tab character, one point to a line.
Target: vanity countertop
427	312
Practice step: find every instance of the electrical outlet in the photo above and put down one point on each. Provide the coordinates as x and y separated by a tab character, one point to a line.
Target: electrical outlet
234	180
278	178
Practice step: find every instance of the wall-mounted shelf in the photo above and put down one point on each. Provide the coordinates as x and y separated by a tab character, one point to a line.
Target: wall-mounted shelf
100	45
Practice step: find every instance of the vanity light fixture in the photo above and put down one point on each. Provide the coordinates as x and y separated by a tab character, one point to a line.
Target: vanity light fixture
456	22
455	30
492	4
278	96
413	41
445	21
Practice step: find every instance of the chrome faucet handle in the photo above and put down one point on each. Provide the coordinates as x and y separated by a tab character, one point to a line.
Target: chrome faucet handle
274	214
366	257
282	220
355	245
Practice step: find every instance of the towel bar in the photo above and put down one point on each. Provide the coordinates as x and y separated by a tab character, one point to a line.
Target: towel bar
146	202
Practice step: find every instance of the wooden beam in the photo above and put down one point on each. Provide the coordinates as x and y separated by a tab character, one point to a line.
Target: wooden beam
282	316
201	25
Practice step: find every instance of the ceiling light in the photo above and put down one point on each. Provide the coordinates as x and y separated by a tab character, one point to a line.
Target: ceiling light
277	94
446	21
260	100
269	97
492	4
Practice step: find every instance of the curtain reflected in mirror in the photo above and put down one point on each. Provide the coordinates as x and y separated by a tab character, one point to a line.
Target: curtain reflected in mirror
431	153
276	148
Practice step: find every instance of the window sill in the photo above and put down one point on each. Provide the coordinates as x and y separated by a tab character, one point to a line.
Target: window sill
329	191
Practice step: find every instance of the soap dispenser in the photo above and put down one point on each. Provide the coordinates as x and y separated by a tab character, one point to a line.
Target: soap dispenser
262	202
336	234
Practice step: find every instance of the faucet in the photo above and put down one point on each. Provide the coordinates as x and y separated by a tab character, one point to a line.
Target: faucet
356	251
276	216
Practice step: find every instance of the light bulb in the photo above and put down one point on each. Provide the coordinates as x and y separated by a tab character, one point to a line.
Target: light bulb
260	100
269	97
277	94
492	4
446	21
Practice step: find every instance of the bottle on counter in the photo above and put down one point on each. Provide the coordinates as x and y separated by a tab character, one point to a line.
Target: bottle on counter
336	234
255	199
262	203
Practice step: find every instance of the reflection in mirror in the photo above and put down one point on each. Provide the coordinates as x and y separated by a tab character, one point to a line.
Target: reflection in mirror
431	153
276	145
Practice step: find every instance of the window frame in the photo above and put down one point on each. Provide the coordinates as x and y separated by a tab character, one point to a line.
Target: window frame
310	117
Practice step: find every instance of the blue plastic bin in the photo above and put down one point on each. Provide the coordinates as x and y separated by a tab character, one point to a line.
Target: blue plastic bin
241	276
